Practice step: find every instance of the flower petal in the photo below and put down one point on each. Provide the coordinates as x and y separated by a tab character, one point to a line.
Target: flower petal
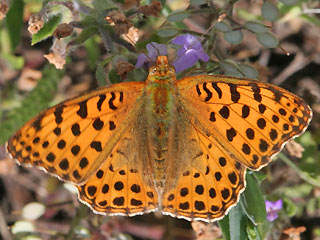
155	49
185	61
141	60
272	216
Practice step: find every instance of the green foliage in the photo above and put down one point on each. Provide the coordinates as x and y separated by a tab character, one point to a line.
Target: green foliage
233	37
253	201
47	30
14	22
37	100
167	32
222	26
270	11
267	39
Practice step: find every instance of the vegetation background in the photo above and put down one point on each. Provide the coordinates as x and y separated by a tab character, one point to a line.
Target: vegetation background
54	50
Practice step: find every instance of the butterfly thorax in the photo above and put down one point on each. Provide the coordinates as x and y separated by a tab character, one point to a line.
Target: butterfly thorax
160	112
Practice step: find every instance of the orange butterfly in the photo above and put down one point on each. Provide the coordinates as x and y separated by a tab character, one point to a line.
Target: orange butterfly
181	147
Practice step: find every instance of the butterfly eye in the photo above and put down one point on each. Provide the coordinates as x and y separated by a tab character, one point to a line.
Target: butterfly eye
171	70
153	70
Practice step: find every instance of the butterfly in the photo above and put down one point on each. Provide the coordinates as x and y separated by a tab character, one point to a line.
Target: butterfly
180	147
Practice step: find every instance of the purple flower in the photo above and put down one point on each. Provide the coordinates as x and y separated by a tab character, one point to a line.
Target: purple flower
190	52
154	50
272	209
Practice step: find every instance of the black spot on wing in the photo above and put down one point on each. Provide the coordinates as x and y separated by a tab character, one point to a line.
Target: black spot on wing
231	133
262	108
111	105
83	109
256	92
224	112
98	124
209	93
75	129
121	97
235	95
102	97
37	123
217	89
245	111
212	117
198	90
58	114
277	95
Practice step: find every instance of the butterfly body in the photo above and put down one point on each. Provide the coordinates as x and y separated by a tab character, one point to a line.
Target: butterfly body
160	110
178	146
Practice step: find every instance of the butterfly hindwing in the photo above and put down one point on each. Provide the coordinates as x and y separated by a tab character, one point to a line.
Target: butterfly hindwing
210	181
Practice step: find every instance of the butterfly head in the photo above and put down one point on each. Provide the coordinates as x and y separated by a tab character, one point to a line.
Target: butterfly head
162	70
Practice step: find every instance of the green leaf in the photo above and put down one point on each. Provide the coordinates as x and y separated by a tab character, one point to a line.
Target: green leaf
16	62
197	2
245	14
289	2
248	71
253	201
236	223
47	30
224	225
93	52
233	37
87	21
252	231
255	26
84	35
113	76
101	75
167	32
14	22
270	11
178	16
267	39
289	207
230	68
222	26
311	19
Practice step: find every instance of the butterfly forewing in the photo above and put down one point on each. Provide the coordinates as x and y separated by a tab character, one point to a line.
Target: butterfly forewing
73	139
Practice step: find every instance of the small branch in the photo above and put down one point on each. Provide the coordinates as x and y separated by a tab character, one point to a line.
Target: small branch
304	175
4	228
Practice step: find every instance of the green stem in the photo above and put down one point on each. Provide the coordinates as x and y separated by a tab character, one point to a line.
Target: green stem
304	175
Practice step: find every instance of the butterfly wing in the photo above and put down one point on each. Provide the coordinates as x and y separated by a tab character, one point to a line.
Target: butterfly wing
210	182
96	142
72	140
227	124
251	119
123	185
